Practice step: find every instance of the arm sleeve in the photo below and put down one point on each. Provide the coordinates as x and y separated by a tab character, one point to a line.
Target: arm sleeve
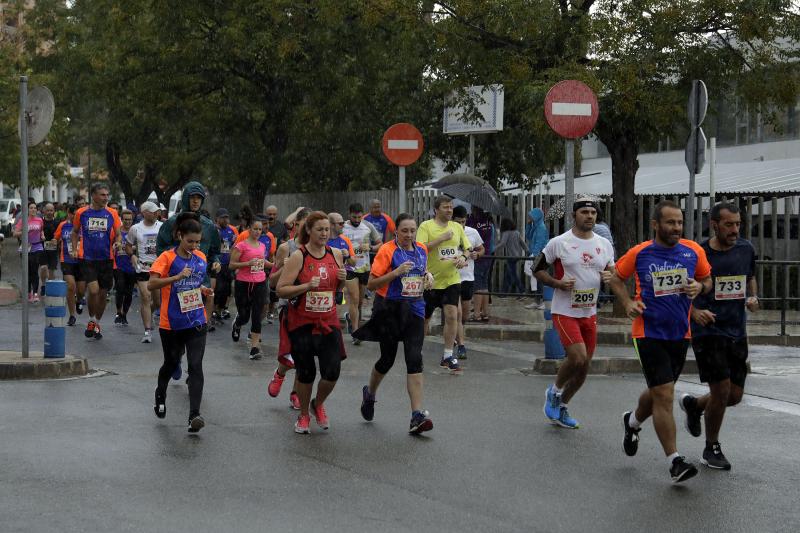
373	233
57	235
422	233
131	237
626	265
549	252
273	245
383	261
349	246
161	265
703	268
465	244
241	236
390	227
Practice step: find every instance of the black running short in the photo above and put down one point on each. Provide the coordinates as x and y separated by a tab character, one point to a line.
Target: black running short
143	276
362	277
440	297
662	360
720	358
467	290
49	258
71	269
100	271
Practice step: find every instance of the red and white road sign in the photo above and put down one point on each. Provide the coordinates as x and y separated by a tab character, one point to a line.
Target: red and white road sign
571	109
402	144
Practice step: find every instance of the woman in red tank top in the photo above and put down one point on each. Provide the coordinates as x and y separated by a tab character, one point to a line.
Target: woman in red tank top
310	279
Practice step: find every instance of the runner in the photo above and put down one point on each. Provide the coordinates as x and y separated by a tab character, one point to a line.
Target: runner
70	270
383	223
719	330
48	261
97	233
582	260
365	239
35	248
124	272
141	246
447	246
179	275
467	275
342	243
227	238
248	259
270	246
278	228
398	276
285	360
310	279
669	273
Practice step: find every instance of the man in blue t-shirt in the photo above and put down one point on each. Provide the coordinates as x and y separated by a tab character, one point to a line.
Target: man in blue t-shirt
719	330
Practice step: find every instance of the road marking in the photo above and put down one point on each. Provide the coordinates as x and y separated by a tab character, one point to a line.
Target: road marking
565	108
397	144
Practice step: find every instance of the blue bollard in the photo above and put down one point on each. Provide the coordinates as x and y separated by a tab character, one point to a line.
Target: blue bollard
553	349
55	313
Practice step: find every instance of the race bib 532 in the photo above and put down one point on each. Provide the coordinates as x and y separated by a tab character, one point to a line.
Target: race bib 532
190	300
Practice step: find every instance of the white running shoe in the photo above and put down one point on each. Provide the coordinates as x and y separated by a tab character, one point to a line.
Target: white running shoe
148	337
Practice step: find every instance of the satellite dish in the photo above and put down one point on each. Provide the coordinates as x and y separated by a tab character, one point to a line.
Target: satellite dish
40	112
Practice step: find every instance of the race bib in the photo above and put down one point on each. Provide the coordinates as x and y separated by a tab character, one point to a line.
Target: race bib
97	224
449	253
225	247
69	248
729	287
584	298
319	302
51	246
150	246
412	286
121	250
190	300
258	267
668	282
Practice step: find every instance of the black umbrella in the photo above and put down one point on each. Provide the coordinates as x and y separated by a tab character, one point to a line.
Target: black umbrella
483	196
458	178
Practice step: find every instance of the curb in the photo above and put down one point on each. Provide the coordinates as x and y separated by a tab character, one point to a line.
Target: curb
37	367
9	294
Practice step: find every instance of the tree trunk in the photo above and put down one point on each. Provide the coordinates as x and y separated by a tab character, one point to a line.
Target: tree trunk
148	185
115	170
256	192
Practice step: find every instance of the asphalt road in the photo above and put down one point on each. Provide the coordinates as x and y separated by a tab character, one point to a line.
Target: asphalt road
89	455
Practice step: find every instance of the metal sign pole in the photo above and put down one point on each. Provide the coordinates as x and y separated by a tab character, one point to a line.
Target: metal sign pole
712	191
569	180
23	185
402	199
472	154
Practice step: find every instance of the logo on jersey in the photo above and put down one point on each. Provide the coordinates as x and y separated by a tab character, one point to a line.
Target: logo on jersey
587	257
597	250
323	272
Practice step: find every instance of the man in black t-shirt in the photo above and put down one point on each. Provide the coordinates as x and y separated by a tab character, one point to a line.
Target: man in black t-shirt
719	330
48	261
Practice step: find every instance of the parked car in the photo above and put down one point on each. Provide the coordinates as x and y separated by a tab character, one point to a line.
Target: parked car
6	218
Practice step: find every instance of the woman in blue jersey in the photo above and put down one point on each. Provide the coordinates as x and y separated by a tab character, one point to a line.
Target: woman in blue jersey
179	273
398	277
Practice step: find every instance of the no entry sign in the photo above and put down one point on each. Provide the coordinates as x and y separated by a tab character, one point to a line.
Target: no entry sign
571	109
402	144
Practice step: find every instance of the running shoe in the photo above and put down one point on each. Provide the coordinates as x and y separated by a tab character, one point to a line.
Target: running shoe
71	321
320	415
89	333
461	351
349	323
79	308
255	353
215	317
294	401
160	406
630	442
224	314
714	458
196	423
681	469
178	372
236	330
552	404
270	318
148	337
286	360
692	423
451	363
367	404
97	334
125	320
35	298
30	297
303	425
117	320
566	421
356	342
275	384
211	327
420	422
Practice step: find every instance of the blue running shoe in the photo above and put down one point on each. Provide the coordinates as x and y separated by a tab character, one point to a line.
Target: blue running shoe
552	404
349	323
566	421
177	373
461	351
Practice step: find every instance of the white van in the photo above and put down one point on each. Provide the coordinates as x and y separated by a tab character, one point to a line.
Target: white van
6	219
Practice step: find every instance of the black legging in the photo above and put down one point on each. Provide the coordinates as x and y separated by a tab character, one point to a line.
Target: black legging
174	342
327	348
250	299
413	334
124	282
33	270
223	289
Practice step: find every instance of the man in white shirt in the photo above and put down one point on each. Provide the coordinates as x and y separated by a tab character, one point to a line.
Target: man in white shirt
141	246
365	239
581	260
467	276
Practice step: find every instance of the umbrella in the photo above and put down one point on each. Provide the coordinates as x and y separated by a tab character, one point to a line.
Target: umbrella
474	191
458	178
557	210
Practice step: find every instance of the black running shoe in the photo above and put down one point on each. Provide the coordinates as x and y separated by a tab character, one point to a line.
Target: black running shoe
236	330
160	406
681	469
688	405
196	423
71	321
255	354
714	458
97	334
630	442
124	320
367	404
117	320
225	315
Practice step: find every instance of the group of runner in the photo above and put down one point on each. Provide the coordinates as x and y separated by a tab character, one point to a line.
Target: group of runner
187	267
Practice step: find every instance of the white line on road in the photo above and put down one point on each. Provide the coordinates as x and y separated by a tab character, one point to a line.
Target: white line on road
396	144
564	108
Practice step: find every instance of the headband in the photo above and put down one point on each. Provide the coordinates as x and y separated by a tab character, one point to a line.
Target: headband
579	204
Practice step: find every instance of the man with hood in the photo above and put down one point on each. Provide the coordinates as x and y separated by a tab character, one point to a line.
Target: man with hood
192	198
536	235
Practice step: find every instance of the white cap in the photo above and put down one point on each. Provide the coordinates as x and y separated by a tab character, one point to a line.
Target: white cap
162	207
150	207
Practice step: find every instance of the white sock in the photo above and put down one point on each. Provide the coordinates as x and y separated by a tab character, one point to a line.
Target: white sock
672	457
448	353
632	422
556	390
91	317
563	405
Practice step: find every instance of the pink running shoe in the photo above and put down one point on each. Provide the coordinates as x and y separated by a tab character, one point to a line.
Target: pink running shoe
286	360
302	424
274	387
35	298
294	401
320	414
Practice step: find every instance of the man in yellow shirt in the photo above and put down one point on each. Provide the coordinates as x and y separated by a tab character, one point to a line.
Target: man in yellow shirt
447	248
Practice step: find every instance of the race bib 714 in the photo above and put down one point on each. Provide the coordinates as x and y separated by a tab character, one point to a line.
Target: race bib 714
97	224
